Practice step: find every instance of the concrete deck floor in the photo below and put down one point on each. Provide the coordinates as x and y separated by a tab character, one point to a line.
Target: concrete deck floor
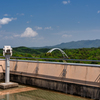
23	92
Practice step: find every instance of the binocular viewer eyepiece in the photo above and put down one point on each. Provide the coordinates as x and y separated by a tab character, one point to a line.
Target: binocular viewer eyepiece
7	50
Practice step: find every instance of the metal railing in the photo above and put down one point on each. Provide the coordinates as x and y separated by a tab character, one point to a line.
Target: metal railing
52	59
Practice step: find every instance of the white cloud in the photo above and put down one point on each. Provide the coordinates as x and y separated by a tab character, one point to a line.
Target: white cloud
65	35
98	11
31	15
6	20
27	22
29	33
16	35
5	14
8	37
38	28
66	2
17	14
22	14
46	28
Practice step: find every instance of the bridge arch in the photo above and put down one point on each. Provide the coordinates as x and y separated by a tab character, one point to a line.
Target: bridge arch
63	53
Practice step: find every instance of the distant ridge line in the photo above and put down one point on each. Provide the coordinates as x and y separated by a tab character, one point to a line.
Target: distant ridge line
74	44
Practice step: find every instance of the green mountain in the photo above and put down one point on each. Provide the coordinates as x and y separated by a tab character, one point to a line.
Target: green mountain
80	44
75	44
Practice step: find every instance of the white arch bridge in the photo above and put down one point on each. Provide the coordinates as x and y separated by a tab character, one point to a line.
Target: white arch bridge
63	53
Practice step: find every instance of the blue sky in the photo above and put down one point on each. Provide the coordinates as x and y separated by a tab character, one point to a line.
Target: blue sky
36	23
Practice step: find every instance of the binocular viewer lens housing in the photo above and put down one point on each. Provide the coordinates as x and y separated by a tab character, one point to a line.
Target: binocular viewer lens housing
7	50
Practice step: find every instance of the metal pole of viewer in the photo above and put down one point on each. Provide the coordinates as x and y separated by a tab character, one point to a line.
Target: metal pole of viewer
7	52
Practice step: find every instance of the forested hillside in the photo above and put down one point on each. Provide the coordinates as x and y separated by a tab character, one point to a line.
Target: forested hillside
83	53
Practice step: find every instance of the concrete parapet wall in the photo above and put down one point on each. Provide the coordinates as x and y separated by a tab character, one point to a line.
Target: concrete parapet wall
1	70
2	64
84	72
1	76
81	72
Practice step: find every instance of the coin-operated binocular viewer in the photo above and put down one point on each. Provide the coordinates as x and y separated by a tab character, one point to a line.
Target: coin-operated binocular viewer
7	52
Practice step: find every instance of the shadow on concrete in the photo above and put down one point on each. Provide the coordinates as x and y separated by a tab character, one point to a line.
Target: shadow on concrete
98	79
64	72
36	69
15	68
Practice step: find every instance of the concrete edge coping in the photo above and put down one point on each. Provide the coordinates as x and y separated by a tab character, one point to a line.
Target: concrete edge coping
48	62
